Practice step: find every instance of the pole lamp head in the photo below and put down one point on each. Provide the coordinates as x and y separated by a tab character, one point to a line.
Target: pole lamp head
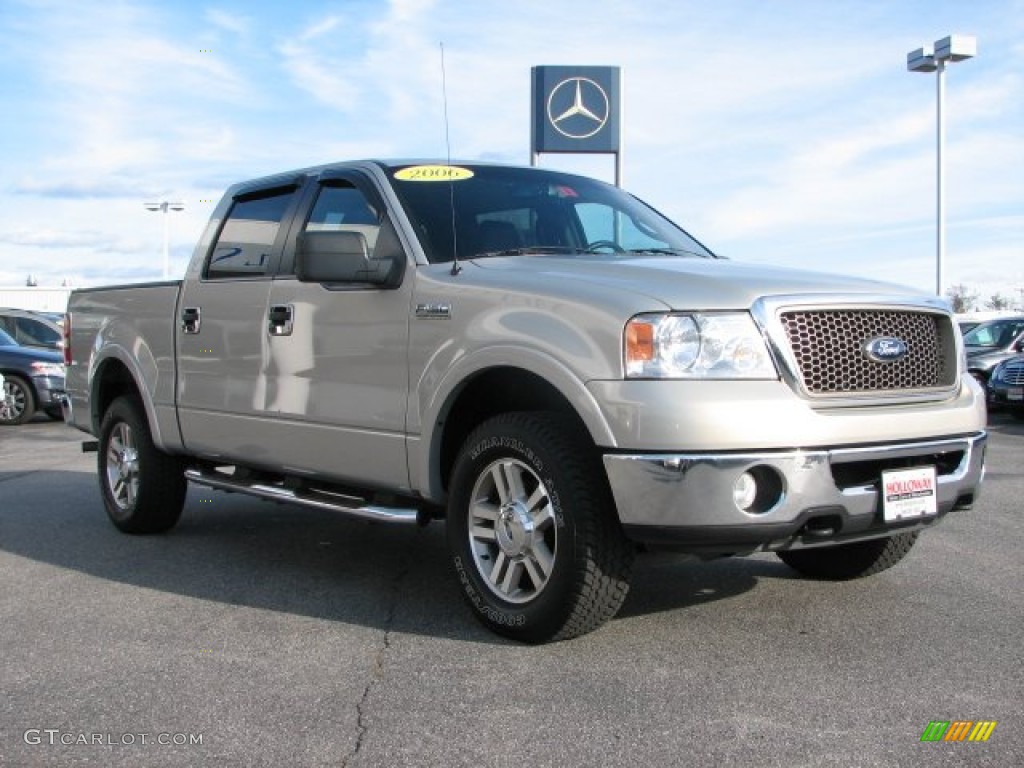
922	60
956	48
154	206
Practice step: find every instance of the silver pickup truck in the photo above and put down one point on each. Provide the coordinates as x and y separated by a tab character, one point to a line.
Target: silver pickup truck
553	367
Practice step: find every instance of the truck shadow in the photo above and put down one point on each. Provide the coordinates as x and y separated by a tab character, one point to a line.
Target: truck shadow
239	551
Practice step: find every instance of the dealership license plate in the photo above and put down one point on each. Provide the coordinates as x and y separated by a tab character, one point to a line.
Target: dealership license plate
908	493
1015	393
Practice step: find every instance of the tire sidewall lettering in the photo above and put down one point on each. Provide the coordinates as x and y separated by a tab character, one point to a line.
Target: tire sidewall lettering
497	444
475	598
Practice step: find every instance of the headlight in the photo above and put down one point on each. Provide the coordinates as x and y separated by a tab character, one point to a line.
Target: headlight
48	369
723	345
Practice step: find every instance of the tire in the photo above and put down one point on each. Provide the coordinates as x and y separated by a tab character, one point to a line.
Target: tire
850	561
143	488
532	530
19	401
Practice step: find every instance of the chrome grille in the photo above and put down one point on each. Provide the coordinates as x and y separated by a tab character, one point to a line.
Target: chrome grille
829	349
1013	373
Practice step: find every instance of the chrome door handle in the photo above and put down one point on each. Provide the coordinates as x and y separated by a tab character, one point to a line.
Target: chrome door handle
281	320
190	320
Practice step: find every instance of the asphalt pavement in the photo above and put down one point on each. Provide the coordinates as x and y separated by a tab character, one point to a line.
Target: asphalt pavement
257	634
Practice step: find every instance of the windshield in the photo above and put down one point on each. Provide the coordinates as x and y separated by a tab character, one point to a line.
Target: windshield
496	210
995	334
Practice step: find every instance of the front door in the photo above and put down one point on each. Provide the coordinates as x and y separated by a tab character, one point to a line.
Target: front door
337	377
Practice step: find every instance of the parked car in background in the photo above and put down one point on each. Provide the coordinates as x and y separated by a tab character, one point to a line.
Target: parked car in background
989	343
967	325
33	380
1006	386
32	329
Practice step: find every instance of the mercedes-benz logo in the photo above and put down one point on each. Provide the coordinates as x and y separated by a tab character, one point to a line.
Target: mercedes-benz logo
578	107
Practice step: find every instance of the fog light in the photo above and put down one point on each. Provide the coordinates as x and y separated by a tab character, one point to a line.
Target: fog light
744	493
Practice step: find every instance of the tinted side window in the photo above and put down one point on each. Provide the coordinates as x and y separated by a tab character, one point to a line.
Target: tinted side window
36	334
247	240
344	208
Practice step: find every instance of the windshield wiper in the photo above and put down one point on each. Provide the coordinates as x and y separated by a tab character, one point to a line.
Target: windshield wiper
669	252
531	250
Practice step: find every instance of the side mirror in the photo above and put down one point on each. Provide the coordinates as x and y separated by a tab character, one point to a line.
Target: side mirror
339	257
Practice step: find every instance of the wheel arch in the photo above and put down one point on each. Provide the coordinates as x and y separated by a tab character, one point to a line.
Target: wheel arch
112	378
502	388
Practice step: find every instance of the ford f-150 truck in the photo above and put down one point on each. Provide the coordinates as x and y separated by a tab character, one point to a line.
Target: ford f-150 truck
551	366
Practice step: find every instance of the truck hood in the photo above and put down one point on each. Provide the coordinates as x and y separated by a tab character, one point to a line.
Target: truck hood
687	283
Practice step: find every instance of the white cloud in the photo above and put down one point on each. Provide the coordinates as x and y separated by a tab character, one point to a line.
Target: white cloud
229	22
792	136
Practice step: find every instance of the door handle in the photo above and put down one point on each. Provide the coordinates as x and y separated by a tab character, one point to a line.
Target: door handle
281	320
190	320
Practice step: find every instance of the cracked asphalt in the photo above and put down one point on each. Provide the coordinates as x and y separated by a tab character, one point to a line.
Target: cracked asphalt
257	634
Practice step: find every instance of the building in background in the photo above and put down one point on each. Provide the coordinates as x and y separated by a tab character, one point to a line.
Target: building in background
35	298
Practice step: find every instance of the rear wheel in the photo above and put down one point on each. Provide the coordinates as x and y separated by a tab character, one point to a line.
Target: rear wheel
532	530
143	488
850	561
18	403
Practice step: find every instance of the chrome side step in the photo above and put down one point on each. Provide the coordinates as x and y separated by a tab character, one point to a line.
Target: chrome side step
335	502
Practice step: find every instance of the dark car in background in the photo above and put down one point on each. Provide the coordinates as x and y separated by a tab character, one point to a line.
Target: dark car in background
33	380
1006	386
989	343
32	329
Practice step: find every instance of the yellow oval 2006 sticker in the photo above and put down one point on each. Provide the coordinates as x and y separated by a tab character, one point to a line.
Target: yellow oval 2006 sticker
433	173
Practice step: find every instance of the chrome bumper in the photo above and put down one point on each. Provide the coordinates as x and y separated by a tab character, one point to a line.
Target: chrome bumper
824	496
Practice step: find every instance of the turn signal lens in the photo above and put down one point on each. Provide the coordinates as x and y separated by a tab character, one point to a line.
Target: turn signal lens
639	341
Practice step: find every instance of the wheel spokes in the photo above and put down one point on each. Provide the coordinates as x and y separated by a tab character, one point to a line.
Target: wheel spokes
511	526
123	466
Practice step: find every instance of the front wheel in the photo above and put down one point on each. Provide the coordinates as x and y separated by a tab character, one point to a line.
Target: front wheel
850	561
143	488
532	530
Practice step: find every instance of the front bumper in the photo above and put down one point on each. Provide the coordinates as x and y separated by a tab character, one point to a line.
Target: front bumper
824	496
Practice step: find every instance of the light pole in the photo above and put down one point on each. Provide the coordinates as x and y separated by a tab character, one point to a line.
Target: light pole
165	207
934	59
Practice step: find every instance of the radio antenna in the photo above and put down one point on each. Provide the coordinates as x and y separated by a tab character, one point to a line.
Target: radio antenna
451	184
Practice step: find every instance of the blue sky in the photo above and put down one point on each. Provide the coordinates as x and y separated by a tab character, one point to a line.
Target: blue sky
783	131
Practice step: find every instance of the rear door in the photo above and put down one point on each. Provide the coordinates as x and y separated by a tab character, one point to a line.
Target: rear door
223	353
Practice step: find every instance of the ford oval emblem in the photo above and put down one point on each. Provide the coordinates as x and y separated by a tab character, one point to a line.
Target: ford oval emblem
885	349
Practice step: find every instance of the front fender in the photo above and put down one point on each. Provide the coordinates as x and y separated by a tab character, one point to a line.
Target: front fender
436	402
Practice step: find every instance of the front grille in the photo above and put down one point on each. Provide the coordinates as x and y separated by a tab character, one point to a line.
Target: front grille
829	349
1013	374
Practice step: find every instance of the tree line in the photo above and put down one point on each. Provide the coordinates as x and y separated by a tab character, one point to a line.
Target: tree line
964	299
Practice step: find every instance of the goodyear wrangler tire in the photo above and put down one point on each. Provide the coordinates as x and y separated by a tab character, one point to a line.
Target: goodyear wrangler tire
532	531
143	488
850	561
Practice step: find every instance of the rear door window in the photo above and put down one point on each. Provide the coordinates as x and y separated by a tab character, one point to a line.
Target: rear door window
249	238
36	334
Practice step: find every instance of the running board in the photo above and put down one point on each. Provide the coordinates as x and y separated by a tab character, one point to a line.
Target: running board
349	505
